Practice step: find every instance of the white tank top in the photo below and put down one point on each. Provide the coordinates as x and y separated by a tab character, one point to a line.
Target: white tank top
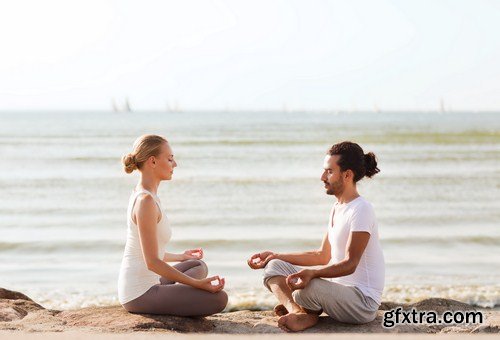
135	278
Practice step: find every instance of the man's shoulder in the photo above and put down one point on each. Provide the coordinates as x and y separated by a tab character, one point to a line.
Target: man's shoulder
361	204
362	201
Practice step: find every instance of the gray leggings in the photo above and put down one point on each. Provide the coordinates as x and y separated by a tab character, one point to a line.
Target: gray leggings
172	298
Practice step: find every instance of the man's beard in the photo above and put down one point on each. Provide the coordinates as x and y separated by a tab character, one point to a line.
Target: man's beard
336	188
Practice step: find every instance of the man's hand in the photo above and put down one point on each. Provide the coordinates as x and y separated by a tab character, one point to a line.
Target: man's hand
193	254
300	279
260	260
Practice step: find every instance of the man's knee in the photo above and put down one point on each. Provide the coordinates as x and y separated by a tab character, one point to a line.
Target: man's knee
273	269
275	265
308	297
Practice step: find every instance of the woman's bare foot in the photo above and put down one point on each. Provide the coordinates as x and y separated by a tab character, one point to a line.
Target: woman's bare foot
280	310
294	322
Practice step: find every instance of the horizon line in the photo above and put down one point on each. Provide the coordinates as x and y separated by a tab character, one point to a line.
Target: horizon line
249	110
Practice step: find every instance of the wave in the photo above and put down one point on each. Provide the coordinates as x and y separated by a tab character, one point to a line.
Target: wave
257	298
486	135
443	240
475	295
224	244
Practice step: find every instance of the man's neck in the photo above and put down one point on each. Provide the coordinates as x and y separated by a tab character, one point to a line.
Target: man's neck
348	195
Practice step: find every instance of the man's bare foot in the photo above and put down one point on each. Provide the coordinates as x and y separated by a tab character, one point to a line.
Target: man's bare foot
280	310
295	322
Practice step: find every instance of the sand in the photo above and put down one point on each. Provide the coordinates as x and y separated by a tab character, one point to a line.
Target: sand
22	318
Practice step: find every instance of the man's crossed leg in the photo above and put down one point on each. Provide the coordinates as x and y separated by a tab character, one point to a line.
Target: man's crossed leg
300	309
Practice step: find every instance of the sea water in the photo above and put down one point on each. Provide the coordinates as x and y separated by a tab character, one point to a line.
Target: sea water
248	182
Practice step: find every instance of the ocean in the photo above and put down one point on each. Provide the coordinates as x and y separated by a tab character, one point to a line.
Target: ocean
247	182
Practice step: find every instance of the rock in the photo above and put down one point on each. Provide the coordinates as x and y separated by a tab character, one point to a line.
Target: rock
12	295
441	305
18	312
117	319
435	304
15	309
486	329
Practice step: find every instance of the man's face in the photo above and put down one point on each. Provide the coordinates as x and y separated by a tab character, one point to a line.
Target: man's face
332	176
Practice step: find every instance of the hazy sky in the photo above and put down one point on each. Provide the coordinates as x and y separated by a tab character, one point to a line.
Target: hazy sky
250	54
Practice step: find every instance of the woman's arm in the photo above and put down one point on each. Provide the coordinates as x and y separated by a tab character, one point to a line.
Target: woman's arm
191	254
146	215
171	257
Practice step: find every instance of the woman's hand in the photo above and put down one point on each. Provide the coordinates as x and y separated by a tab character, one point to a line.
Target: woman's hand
192	254
212	284
300	279
260	260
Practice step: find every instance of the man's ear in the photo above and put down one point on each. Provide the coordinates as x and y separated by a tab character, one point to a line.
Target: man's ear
348	174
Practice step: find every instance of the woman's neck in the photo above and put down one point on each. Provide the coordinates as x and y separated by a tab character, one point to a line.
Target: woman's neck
149	184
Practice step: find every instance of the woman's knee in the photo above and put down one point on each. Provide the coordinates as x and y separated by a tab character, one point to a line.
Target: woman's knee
198	265
204	267
222	300
218	302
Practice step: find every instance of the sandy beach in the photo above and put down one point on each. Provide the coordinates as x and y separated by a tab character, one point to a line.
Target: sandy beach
21	318
150	336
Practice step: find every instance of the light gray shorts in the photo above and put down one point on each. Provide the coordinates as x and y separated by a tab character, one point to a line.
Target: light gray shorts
343	303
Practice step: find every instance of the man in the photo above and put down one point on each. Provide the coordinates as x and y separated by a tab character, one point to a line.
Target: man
348	286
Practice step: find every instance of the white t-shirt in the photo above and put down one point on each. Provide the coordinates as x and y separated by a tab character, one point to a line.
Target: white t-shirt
358	215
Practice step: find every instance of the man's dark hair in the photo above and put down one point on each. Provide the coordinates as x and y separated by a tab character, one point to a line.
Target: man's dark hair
353	158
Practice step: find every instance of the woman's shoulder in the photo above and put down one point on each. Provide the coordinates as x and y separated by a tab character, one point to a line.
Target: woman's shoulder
144	198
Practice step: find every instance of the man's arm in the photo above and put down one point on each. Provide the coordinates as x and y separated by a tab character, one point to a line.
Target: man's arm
309	258
355	247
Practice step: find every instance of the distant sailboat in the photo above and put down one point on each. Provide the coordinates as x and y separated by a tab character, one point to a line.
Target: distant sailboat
127	105
173	107
177	107
441	105
115	106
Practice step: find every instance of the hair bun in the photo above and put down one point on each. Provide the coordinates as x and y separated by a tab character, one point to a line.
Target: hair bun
371	165
129	163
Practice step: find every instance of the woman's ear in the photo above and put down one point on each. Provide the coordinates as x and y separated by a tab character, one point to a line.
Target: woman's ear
152	160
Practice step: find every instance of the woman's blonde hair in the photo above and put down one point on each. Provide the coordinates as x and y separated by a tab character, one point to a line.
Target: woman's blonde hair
144	147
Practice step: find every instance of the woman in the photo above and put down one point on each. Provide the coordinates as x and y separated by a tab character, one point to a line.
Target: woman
147	283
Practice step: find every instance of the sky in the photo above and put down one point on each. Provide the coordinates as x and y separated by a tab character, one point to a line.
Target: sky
250	55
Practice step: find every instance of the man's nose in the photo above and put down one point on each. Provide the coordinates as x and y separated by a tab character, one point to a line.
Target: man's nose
323	178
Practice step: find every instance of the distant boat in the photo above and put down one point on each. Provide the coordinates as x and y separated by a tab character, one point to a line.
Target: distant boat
124	108
115	106
127	105
441	106
174	108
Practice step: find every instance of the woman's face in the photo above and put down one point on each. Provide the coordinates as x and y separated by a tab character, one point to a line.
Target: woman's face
165	163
